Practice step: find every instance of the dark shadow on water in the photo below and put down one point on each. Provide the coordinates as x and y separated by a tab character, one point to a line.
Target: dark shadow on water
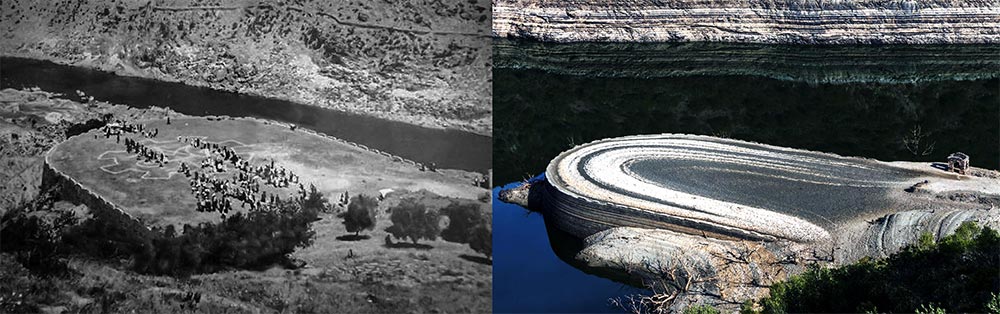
534	270
567	246
477	259
354	237
542	111
408	245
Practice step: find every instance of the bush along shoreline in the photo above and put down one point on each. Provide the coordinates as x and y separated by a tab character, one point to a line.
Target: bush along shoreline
960	273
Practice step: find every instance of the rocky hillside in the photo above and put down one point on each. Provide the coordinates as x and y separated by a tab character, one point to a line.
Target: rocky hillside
767	21
424	62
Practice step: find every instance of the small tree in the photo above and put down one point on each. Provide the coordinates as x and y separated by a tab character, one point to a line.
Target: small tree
411	219
314	200
482	238
360	214
469	223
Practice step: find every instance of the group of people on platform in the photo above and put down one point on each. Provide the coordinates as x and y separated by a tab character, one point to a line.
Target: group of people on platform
119	127
213	192
144	153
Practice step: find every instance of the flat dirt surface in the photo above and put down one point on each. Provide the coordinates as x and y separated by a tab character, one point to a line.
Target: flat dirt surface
161	195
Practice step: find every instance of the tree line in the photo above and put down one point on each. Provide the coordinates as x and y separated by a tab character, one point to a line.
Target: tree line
413	221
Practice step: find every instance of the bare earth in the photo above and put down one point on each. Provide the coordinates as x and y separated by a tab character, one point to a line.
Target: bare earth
340	276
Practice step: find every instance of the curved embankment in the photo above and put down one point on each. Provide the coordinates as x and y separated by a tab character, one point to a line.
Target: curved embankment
814	64
100	207
782	21
735	216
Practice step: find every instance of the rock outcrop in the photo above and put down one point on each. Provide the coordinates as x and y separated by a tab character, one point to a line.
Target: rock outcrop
782	21
723	219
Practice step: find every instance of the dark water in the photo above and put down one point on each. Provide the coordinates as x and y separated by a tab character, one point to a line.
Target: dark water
447	148
528	277
853	101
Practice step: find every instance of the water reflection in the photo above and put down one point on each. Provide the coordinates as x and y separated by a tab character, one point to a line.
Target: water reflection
545	103
885	102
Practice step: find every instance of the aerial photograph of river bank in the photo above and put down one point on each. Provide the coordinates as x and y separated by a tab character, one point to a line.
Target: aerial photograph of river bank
721	157
245	157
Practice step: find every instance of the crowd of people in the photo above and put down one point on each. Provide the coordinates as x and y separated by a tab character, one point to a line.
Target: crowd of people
212	192
144	153
119	127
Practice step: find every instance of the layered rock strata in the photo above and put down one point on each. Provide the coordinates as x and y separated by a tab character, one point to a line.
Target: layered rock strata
783	21
727	218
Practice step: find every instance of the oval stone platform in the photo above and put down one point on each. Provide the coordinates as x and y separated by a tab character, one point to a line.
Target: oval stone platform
719	187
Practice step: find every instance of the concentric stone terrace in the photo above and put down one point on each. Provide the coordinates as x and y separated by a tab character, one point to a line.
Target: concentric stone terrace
714	187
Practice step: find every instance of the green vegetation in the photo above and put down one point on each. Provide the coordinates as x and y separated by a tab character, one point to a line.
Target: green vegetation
414	221
467	223
701	309
360	214
959	273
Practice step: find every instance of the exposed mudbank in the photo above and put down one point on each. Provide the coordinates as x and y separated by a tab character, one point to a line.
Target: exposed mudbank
787	21
733	217
811	64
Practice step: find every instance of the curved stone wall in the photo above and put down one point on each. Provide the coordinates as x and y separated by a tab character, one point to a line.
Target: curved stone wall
731	189
100	208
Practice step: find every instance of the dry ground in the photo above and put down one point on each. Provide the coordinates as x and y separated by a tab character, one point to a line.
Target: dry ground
160	195
434	277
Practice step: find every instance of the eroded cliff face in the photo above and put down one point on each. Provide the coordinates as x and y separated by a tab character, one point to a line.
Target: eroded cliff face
767	21
421	62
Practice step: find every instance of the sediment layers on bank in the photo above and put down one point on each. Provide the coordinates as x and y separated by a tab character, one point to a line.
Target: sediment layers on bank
812	64
727	218
407	61
782	21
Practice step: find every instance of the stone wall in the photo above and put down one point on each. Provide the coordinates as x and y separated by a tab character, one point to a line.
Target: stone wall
100	208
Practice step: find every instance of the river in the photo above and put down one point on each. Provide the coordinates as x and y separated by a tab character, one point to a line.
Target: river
447	148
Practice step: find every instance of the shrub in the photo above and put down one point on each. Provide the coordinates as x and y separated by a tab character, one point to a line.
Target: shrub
482	238
32	233
469	223
314	200
463	218
701	309
413	220
258	238
360	214
956	274
993	307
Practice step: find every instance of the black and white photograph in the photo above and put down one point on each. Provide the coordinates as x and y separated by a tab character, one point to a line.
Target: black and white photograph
245	156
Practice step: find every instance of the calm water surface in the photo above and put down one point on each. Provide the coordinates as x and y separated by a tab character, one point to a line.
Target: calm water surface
447	148
916	103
